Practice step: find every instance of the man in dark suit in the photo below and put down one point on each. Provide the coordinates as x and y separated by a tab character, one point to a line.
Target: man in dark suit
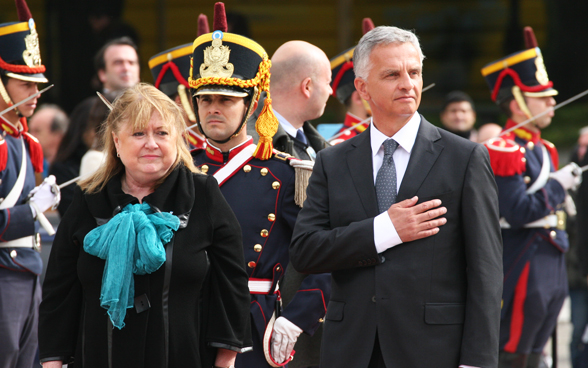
410	289
300	89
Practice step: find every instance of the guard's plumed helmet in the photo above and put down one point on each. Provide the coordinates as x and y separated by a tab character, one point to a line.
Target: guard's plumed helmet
20	56
233	65
521	73
171	68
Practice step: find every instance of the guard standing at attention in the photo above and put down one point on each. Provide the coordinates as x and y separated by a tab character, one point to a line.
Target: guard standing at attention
532	193
21	158
265	188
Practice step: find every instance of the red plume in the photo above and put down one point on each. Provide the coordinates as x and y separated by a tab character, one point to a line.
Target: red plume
220	17
202	25
530	40
24	14
367	25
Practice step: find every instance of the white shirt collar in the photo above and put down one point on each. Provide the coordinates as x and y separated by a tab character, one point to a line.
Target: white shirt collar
405	137
286	125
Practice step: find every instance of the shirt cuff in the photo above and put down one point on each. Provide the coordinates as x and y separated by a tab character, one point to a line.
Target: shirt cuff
385	235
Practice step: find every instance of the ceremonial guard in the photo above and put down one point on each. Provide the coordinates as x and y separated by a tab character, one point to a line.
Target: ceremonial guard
531	198
21	157
171	70
343	84
264	187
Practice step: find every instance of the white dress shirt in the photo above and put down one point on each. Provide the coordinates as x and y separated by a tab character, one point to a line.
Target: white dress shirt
287	126
292	132
385	235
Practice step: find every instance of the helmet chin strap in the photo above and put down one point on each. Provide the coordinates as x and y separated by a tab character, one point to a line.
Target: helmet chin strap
6	98
246	115
366	106
520	99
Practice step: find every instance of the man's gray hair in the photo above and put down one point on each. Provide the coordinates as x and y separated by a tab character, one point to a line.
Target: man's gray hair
382	35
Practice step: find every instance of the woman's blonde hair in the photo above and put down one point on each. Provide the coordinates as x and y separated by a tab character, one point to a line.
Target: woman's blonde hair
135	106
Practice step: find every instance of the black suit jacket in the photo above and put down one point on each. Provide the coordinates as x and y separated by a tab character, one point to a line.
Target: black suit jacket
286	143
433	302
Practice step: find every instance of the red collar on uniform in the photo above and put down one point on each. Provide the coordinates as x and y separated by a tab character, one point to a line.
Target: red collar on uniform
523	132
11	129
351	120
217	155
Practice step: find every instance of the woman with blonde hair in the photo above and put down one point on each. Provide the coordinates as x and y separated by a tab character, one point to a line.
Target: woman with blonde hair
146	269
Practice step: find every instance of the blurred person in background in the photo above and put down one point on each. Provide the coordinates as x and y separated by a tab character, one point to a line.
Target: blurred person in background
95	156
488	131
458	115
117	65
76	142
49	125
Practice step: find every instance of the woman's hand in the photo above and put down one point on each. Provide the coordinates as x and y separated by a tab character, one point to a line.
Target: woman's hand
53	364
224	358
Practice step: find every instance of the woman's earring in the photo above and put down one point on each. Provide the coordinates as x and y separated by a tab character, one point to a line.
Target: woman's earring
117	154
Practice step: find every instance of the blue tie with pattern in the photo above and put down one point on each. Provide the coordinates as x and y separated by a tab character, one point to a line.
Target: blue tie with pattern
386	178
301	137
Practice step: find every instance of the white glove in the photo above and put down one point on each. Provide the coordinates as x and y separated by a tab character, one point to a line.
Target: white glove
283	339
45	196
569	176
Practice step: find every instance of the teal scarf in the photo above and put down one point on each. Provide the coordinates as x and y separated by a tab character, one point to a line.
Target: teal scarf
131	243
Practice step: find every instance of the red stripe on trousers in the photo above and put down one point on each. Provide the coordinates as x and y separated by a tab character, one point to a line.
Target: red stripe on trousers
518	314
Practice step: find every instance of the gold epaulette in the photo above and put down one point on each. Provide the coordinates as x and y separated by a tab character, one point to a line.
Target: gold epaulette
302	169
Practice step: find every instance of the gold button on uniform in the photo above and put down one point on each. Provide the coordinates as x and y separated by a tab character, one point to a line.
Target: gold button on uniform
553	234
251	264
321	320
523	150
204	168
524	159
257	248
271	217
264	171
530	145
264	233
278	268
276	185
527	179
246	168
13	254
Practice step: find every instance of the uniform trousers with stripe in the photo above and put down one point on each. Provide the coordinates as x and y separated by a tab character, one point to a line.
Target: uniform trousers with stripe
532	315
20	296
